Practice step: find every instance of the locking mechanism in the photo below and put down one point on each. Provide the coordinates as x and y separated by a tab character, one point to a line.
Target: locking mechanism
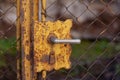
52	48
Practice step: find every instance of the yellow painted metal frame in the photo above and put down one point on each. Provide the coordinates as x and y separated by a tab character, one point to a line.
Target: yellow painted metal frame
25	38
25	17
33	44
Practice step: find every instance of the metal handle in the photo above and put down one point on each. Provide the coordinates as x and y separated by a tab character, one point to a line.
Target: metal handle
72	41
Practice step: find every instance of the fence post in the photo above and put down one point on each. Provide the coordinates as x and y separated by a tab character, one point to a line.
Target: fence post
27	13
25	21
18	35
35	17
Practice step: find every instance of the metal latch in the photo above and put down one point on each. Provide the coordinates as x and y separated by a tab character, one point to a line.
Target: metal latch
51	48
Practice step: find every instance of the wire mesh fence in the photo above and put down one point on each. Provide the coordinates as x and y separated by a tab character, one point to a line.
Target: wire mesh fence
95	22
7	40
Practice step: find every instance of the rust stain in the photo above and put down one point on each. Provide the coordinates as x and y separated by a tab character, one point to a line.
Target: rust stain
51	56
25	39
47	56
35	17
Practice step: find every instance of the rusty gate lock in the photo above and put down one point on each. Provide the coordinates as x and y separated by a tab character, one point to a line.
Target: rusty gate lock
49	42
51	48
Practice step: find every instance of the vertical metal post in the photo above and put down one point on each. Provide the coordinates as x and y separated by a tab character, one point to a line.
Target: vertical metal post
18	34
25	20
35	17
28	11
36	10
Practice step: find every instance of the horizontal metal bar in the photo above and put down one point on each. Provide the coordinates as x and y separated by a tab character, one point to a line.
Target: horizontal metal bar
70	41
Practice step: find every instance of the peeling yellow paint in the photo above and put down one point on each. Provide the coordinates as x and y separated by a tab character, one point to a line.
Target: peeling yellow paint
25	39
49	56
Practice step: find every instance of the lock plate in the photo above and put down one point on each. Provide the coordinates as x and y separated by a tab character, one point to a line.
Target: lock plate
49	56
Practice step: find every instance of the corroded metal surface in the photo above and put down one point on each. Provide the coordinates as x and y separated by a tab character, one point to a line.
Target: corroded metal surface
25	39
18	35
35	17
35	41
50	56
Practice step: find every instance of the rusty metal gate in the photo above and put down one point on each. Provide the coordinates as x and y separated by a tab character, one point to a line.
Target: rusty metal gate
45	45
48	33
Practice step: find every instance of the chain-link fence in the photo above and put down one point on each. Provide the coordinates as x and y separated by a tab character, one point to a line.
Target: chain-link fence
95	22
7	40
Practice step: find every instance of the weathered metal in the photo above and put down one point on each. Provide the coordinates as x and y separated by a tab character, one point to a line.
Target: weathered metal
50	56
18	34
37	52
34	17
25	20
35	11
27	12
